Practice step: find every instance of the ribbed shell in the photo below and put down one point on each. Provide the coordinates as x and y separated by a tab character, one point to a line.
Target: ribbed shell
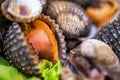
22	10
57	31
110	34
72	25
18	52
57	7
71	18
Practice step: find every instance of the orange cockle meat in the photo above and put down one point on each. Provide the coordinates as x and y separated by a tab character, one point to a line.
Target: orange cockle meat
103	13
43	41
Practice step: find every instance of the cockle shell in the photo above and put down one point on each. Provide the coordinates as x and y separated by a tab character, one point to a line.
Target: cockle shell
80	68
109	10
100	53
71	18
110	34
22	10
73	25
18	51
57	7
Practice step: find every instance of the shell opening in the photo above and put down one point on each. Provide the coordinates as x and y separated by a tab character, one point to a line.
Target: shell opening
43	41
22	8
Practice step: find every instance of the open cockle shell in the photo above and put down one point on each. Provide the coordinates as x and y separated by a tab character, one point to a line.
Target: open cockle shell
22	55
22	10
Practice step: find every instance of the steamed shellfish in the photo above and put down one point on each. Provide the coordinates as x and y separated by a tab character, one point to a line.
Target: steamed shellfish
27	44
21	10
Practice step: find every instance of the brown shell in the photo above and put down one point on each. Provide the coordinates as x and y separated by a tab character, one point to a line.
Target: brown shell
71	18
20	54
72	25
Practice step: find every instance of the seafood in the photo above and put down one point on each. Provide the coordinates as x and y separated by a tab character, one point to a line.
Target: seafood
110	34
102	55
72	25
108	9
80	68
22	10
25	45
70	17
57	7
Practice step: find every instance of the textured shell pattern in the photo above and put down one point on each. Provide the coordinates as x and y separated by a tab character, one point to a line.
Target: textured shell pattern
18	52
71	18
110	34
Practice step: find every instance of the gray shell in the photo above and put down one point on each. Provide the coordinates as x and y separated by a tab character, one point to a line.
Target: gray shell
110	34
19	53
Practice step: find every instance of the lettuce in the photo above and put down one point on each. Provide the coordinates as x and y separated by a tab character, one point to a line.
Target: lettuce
49	72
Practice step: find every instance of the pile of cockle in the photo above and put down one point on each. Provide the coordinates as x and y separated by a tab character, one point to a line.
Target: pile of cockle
65	30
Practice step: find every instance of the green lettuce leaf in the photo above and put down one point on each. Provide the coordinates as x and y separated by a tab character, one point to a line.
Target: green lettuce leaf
48	70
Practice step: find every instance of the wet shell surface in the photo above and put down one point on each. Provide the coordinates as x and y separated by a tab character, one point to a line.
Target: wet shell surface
22	10
71	18
110	34
26	57
57	7
73	25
